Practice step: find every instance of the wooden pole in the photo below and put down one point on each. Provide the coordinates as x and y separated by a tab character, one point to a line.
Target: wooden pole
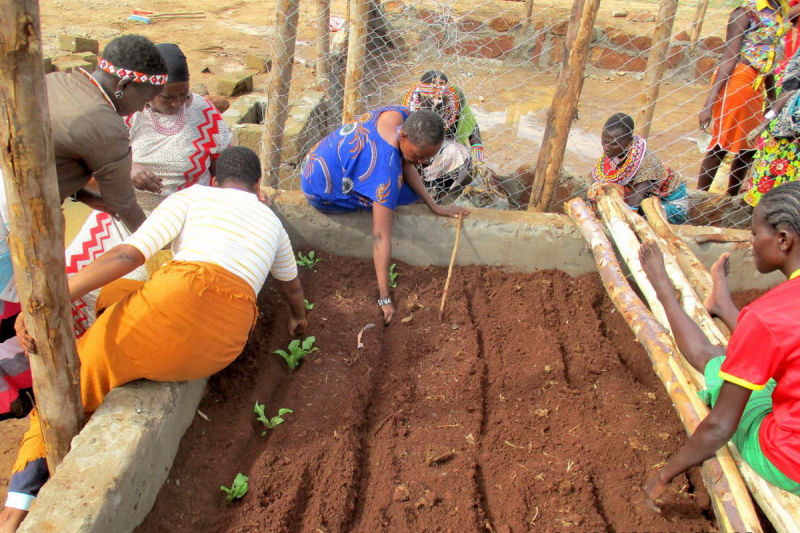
36	230
565	103
697	24
781	507
287	12
356	55
731	502
656	65
450	268
323	44
526	25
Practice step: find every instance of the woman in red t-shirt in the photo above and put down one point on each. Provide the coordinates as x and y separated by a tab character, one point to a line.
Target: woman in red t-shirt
753	387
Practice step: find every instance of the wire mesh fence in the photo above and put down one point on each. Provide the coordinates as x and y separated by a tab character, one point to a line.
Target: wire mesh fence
501	60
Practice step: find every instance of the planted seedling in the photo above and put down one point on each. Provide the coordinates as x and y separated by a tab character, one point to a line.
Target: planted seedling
237	489
309	306
270	423
308	261
393	275
297	351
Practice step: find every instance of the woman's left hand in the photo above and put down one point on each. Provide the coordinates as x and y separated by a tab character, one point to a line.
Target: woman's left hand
453	211
652	490
24	338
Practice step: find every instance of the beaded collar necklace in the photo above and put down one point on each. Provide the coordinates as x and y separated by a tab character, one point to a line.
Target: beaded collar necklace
606	172
99	87
170	130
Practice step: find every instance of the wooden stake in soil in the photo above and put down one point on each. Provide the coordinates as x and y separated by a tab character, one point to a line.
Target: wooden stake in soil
450	268
565	103
732	505
323	43
36	229
353	104
656	64
528	15
280	78
697	24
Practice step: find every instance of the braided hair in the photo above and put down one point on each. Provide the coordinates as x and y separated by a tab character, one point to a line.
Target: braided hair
238	163
781	205
135	52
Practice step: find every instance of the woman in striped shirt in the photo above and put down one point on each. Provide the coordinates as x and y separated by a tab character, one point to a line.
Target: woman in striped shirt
198	309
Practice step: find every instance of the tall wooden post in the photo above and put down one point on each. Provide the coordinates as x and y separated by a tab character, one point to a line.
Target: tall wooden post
323	43
697	24
356	55
526	25
36	230
287	12
656	65
565	103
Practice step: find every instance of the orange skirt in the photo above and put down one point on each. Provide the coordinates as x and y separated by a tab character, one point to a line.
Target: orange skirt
188	321
737	110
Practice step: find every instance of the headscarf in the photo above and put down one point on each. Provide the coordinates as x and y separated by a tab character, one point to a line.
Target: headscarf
177	68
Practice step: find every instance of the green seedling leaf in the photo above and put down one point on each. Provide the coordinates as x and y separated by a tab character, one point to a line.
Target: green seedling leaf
308	305
393	275
308	261
270	423
237	489
297	351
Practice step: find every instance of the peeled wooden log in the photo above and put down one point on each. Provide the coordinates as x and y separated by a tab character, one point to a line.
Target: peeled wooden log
695	270
732	504
688	297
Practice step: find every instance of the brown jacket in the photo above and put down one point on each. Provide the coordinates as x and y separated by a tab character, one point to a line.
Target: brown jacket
91	140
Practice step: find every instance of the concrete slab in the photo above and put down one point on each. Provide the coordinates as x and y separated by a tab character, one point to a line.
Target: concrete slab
108	482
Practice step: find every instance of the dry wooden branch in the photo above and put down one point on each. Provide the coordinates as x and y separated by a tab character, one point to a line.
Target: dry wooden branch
36	233
323	43
357	27
280	78
697	24
450	268
565	103
731	501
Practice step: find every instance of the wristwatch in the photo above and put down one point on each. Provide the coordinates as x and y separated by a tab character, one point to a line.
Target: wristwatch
384	301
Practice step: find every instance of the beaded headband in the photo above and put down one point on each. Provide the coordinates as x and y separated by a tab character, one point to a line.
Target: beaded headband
124	73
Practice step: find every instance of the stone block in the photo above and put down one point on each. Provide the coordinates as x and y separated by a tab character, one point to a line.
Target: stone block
714	44
560	29
613	60
556	52
248	135
305	125
682	36
234	84
537	52
89	57
491	47
253	107
433	17
641	16
393	6
74	44
200	88
504	24
639	43
704	67
70	63
261	63
469	25
47	62
675	56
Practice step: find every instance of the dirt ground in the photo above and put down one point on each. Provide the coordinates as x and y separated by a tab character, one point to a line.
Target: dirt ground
530	407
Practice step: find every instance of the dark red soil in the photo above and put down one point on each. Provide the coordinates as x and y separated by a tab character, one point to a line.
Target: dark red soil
530	408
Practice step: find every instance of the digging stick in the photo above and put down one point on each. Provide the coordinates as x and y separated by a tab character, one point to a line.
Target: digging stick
732	504
450	268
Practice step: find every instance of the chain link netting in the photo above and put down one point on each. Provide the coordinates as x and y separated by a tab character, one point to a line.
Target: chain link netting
506	65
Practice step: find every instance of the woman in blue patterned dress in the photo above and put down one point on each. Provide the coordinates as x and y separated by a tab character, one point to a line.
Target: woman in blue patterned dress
369	164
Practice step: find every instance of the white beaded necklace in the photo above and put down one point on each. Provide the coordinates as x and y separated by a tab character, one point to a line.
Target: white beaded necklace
166	130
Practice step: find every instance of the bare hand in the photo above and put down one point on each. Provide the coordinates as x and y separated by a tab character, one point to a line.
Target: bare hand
388	313
652	490
753	135
297	326
144	179
453	211
24	337
705	118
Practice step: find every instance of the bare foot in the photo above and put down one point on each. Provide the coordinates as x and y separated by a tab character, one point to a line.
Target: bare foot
10	519
653	265
720	293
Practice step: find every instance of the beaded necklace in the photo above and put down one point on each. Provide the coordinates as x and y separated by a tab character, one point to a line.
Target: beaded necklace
607	172
99	87
170	130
